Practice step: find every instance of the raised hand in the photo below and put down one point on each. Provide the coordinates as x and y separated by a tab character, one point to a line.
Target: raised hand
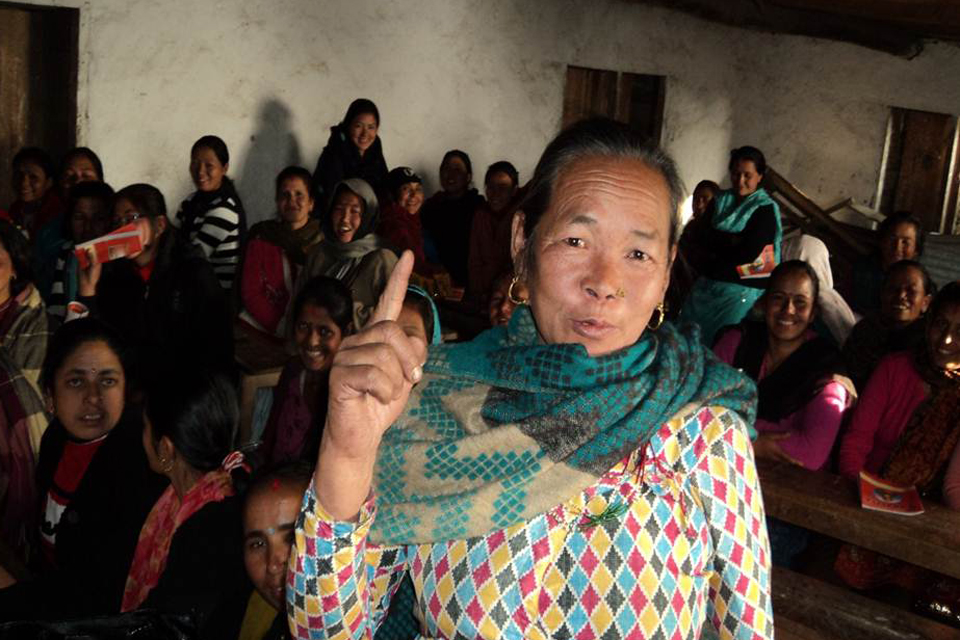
87	279
370	381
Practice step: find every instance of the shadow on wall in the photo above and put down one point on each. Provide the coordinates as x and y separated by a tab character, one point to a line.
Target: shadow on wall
273	146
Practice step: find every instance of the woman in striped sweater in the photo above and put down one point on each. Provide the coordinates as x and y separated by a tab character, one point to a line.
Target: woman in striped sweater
212	217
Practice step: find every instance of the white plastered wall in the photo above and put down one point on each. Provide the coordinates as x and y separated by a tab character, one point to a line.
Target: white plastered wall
485	76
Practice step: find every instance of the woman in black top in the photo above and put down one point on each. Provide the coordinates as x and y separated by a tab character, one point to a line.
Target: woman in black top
353	151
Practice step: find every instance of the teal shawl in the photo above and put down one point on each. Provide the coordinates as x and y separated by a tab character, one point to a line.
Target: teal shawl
506	427
732	217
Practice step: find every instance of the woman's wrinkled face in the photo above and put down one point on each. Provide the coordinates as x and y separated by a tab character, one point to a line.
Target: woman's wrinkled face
454	177
206	169
269	517
744	178
89	219
788	306
601	254
30	181
346	215
88	391
904	298
294	203
943	338
317	336
79	169
363	131
410	197
499	190
899	244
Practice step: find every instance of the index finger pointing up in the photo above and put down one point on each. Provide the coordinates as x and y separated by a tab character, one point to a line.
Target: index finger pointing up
391	300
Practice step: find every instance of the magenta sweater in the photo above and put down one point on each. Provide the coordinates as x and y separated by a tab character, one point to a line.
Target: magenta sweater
892	394
812	428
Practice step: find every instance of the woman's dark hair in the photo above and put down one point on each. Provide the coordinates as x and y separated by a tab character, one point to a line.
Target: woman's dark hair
87	153
593	138
752	154
37	156
70	337
20	257
796	266
198	411
423	309
359	107
99	191
929	286
708	184
327	293
502	166
146	198
947	297
456	153
891	222
296	172
215	144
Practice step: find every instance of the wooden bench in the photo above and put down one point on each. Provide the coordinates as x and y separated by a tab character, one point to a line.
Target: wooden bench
261	360
805	607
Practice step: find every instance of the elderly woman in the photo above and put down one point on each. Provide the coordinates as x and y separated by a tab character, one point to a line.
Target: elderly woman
742	242
585	453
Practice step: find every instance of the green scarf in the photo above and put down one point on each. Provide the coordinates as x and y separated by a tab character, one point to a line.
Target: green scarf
294	243
505	427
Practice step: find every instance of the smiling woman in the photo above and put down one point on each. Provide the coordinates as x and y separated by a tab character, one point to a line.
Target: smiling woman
586	451
353	151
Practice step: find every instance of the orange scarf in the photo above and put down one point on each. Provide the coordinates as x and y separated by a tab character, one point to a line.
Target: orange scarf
153	546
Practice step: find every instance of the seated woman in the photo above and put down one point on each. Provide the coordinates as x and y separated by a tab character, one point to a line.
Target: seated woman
270	510
353	151
524	453
834	316
803	394
703	197
350	250
78	165
898	326
165	301
95	486
448	216
37	203
900	237
89	215
212	217
322	316
742	245
23	344
189	555
489	253
506	295
276	252
400	224
905	426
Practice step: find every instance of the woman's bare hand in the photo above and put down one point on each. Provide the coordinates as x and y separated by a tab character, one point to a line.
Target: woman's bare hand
370	382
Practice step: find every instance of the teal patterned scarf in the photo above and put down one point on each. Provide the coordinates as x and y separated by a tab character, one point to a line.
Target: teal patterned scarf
506	427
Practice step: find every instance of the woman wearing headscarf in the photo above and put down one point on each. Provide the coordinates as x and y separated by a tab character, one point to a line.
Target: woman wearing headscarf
353	151
585	448
833	311
743	239
350	250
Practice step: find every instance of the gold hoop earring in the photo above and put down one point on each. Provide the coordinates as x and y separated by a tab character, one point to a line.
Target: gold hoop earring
661	316
510	294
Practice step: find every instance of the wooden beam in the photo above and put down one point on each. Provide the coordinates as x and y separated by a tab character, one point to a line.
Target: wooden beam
830	505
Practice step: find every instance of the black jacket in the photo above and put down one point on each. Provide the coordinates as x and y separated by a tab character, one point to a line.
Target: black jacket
181	315
448	222
98	531
340	160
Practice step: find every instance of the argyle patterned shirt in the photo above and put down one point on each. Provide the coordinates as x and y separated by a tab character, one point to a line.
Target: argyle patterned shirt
670	541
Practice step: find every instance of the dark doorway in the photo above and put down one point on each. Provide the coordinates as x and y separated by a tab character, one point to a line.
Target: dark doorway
632	98
918	163
38	83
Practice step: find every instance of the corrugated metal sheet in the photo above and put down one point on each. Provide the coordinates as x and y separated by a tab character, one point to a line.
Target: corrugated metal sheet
941	256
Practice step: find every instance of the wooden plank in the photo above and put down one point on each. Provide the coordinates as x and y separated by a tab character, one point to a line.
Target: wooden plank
589	92
830	505
927	140
809	608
